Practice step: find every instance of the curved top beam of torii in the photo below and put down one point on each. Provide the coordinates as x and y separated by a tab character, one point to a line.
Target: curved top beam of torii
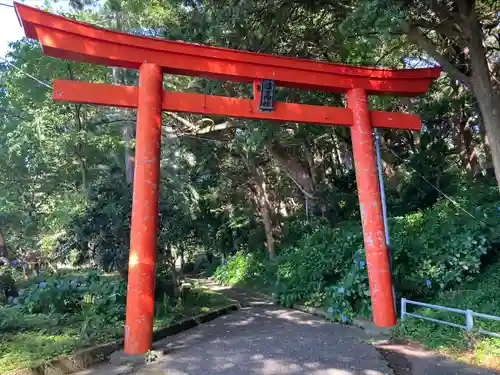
69	39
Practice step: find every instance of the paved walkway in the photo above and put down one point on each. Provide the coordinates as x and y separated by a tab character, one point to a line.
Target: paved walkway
263	339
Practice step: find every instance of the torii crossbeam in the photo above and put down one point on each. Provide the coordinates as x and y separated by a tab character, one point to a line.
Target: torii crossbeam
64	38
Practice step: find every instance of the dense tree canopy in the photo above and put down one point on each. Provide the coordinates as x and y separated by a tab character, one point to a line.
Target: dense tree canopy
66	171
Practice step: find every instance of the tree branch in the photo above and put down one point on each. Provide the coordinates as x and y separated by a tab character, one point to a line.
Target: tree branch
419	39
214	128
183	121
447	29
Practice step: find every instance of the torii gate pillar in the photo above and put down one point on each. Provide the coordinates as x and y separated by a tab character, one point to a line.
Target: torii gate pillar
69	39
141	266
377	254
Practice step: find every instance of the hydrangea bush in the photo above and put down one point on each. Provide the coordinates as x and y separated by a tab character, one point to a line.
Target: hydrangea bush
69	295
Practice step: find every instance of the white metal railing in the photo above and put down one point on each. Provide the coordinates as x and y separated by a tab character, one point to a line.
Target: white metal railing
469	316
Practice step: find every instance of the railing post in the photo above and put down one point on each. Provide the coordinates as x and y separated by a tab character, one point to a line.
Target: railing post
469	320
403	308
384	205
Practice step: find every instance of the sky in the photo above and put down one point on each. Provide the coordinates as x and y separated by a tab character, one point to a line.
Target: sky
10	29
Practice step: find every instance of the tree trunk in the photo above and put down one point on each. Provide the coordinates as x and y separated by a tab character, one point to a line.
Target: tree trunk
80	146
3	248
486	96
262	200
127	131
310	204
479	82
296	171
81	131
393	172
488	164
265	210
346	157
128	127
463	136
489	103
339	170
83	171
36	269
181	254
467	153
128	136
310	160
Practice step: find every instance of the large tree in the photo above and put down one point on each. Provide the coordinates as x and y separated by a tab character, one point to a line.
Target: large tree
459	35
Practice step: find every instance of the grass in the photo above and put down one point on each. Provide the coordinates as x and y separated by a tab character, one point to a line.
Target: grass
29	348
27	340
483	296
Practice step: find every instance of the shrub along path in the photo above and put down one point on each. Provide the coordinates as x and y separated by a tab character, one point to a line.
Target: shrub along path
75	311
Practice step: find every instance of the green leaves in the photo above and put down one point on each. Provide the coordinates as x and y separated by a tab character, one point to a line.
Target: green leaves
74	294
250	269
49	149
316	260
443	244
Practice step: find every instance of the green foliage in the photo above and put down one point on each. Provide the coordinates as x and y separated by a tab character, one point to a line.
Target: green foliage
13	319
60	314
194	302
443	247
100	232
207	269
351	296
8	288
435	249
89	293
252	270
430	164
42	145
26	349
65	198
236	268
317	260
295	227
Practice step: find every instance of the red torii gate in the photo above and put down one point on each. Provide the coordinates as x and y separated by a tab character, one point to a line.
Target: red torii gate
64	38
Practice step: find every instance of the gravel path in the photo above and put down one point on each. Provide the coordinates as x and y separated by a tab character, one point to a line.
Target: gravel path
264	339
